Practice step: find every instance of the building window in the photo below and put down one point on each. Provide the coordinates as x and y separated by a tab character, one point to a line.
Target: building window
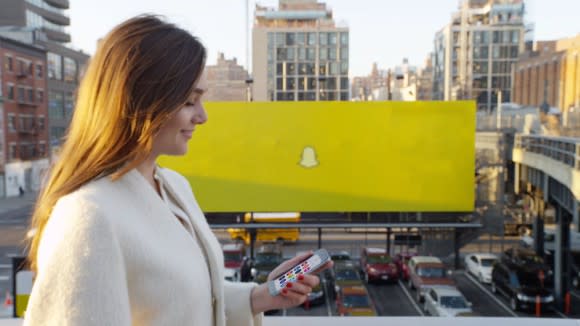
30	95
10	92
54	66
11	123
55	105
344	53
343	38
70	70
332	38
40	95
69	104
311	38
39	70
12	152
9	65
21	94
40	123
323	38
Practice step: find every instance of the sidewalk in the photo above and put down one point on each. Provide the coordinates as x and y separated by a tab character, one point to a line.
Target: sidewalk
14	203
12	235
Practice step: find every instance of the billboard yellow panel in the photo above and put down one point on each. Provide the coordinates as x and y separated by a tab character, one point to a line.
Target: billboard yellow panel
332	156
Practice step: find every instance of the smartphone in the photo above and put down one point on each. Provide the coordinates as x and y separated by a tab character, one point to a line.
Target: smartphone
319	258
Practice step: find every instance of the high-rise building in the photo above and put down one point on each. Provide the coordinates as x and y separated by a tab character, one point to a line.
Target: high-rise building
226	81
474	54
299	53
425	81
44	23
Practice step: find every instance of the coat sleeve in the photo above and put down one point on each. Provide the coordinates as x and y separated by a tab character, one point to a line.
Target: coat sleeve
238	304
81	277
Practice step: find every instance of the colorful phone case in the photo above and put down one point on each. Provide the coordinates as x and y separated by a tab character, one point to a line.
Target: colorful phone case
319	258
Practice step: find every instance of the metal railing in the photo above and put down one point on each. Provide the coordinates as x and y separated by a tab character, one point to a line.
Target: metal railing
561	149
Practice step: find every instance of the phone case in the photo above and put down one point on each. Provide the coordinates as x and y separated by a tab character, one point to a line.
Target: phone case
319	258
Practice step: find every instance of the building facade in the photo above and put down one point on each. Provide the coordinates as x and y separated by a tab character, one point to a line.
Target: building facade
64	64
549	73
299	53
474	54
425	81
24	128
227	81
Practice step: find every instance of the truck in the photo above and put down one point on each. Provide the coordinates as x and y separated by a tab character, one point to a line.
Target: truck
279	235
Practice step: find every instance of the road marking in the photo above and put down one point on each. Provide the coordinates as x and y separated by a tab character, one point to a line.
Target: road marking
327	299
411	298
561	314
491	295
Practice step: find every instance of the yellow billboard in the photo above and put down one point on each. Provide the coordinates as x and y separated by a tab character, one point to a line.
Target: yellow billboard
332	156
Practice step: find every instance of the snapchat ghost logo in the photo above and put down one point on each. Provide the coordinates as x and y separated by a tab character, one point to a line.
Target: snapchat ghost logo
308	159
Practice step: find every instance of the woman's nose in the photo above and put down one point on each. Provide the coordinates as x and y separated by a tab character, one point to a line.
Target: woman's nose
200	116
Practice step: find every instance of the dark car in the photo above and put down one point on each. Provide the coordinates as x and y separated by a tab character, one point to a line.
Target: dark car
521	284
377	265
267	258
527	258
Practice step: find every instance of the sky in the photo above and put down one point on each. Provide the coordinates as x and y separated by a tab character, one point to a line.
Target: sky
381	31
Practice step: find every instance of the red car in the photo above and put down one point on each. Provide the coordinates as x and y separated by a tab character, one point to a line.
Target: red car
233	255
401	260
377	265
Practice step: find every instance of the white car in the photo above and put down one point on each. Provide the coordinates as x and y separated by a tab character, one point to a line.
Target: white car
480	265
231	274
446	301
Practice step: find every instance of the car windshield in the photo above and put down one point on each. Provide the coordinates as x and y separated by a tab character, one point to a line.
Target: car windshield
379	259
431	272
346	274
267	259
487	262
454	302
337	257
356	301
232	256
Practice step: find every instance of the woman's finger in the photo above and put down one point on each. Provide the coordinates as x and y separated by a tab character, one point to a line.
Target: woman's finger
287	265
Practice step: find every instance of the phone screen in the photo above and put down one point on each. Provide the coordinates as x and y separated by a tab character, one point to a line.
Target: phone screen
306	266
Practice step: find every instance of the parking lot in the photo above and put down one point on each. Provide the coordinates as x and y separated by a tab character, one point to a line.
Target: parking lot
397	299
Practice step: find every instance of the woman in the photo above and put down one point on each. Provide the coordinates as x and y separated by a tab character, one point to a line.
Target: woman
118	240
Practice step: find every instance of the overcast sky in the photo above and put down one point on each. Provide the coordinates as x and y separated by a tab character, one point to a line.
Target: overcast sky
382	31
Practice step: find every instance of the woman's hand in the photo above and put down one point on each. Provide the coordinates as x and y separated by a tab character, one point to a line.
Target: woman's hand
293	294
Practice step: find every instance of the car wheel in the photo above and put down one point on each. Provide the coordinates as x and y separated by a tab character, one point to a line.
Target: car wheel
493	288
514	304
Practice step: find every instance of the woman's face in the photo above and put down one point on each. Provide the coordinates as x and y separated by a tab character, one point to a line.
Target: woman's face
173	136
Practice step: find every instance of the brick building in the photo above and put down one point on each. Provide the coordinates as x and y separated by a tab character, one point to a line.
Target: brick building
24	137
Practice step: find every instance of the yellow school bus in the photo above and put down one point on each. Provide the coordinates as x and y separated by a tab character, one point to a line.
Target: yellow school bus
268	235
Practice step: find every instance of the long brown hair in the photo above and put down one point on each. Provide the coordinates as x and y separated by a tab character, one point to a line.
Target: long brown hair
143	71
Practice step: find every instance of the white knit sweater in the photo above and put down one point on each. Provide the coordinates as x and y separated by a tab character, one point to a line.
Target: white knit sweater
113	253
